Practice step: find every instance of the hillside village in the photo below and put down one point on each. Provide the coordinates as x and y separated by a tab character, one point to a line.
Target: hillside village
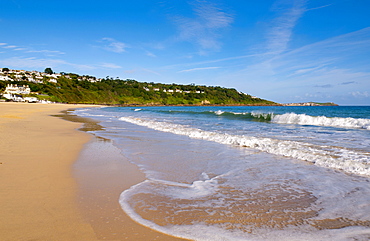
19	93
38	77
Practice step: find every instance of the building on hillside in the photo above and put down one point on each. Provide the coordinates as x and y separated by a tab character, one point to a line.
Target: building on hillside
5	78
17	89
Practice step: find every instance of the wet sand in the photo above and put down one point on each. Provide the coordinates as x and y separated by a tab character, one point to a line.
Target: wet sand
41	198
102	174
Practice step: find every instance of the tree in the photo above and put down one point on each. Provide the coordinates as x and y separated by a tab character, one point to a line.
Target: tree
5	70
2	85
48	71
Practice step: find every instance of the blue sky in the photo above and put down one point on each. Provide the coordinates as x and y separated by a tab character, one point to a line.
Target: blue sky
281	50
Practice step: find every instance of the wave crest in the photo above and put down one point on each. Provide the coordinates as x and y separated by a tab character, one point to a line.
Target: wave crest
303	119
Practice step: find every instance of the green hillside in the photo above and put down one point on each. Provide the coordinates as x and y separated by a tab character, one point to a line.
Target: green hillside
72	88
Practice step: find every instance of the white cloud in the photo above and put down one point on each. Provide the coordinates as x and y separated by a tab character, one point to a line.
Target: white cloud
110	66
359	94
150	54
197	69
32	62
308	70
29	50
46	52
281	31
10	47
328	5
203	30
113	45
334	60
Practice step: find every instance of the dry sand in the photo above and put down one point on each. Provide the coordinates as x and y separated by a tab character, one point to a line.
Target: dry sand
39	196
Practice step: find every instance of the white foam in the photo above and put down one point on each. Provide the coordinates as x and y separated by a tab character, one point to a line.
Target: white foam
219	112
203	232
330	157
197	189
303	119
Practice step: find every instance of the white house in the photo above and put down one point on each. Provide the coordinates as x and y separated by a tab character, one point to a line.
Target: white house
5	78
15	89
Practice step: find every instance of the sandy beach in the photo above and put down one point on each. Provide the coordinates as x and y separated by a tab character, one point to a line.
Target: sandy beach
46	195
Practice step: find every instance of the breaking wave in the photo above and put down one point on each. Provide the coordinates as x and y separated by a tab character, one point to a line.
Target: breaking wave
348	160
302	119
287	118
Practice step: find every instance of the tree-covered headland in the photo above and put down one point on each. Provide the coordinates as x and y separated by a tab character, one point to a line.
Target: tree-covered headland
73	88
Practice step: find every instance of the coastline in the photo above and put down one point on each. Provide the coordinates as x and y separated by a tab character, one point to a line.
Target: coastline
54	183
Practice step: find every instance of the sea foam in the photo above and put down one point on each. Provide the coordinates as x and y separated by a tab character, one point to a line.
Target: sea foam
347	160
303	119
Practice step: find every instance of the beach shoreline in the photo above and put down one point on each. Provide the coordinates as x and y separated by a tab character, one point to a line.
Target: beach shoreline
41	186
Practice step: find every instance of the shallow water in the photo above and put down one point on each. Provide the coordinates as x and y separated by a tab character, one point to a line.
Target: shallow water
246	173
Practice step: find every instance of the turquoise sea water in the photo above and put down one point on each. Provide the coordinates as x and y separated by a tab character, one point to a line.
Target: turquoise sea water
246	173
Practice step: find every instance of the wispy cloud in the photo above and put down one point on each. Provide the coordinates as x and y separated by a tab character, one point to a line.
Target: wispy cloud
203	29
110	66
44	51
324	6
340	58
360	94
335	65
150	54
112	45
197	69
282	27
31	62
30	50
10	46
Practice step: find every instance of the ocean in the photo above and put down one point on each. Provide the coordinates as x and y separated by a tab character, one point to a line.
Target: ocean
246	173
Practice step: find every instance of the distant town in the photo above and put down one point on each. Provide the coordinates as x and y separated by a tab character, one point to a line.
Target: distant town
311	104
